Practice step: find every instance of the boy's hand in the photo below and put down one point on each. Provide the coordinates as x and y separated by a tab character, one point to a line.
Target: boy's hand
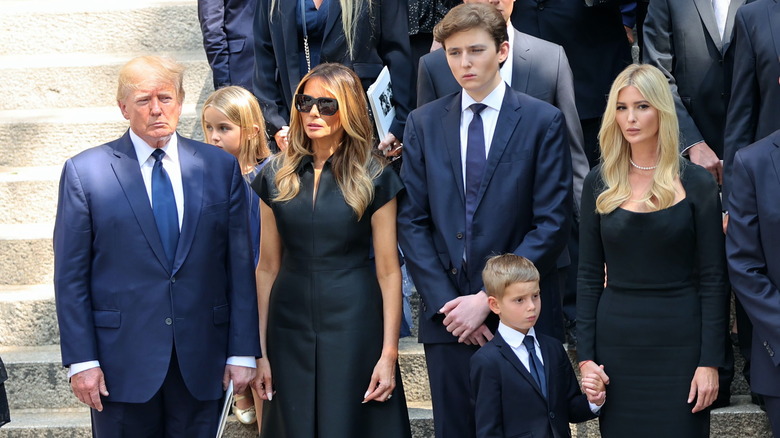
595	389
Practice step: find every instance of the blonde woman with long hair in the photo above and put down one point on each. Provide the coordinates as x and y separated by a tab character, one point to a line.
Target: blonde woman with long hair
651	287
329	320
294	36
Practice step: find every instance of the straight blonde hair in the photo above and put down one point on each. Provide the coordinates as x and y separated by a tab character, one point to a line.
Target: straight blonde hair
242	109
353	163
616	151
503	270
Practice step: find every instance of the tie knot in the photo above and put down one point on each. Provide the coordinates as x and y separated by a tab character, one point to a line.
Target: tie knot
158	154
528	341
477	108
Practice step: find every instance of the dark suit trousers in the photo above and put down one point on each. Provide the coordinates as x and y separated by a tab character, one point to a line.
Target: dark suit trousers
171	413
448	374
773	412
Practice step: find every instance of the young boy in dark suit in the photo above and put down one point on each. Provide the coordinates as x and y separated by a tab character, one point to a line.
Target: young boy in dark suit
522	383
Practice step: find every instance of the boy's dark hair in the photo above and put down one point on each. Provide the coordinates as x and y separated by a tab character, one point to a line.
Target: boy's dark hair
469	16
502	270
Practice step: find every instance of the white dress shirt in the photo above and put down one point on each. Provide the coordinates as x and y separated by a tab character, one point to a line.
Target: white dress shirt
515	338
171	165
489	120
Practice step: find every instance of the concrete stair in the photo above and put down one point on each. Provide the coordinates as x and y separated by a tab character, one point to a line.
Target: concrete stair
58	73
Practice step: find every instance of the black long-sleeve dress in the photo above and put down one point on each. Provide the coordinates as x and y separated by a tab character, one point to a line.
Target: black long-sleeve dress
662	313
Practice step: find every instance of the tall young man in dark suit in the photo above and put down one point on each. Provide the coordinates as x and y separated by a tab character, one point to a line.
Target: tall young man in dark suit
153	272
228	40
753	256
487	170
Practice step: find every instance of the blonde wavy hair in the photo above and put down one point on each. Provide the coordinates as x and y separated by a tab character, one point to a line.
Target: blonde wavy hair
242	109
353	163
350	17
616	151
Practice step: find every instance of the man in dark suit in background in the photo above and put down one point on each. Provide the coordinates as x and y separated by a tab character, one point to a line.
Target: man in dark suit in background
754	260
228	40
486	170
690	42
596	44
153	272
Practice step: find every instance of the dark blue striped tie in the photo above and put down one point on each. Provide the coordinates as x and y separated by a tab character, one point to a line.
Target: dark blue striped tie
164	207
475	167
535	365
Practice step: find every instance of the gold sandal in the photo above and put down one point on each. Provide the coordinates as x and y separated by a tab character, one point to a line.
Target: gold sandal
245	416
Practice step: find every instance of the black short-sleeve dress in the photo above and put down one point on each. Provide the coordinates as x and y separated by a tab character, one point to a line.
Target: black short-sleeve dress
663	311
325	325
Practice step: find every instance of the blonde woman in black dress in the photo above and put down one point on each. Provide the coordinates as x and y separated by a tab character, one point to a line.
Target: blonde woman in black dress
329	320
651	287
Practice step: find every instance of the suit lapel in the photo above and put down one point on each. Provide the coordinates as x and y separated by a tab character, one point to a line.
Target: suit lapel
775	154
508	117
521	67
288	10
510	356
773	8
127	171
733	6
707	14
192	182
451	129
334	15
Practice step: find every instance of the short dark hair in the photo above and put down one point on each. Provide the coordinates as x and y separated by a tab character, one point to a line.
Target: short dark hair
469	16
506	269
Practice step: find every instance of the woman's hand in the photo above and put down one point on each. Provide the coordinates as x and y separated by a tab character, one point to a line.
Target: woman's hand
382	379
263	384
704	388
594	371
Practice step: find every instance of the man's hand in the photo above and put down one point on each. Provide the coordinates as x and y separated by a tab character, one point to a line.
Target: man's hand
390	146
241	377
281	137
480	336
465	314
702	155
88	386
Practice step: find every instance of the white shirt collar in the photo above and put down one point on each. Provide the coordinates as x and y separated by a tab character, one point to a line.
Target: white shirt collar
492	100
143	151
513	337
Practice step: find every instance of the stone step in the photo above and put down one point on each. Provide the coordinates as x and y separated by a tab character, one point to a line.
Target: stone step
27	253
99	26
741	420
29	316
49	137
84	80
29	194
36	378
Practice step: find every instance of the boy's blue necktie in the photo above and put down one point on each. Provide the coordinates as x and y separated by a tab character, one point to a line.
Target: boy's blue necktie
164	207
537	369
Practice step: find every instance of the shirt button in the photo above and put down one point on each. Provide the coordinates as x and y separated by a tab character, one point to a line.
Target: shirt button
459	235
168	321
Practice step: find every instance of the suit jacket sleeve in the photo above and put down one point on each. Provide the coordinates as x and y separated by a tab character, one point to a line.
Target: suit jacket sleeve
243	338
211	14
415	228
590	278
711	265
578	407
742	113
552	205
426	91
266	87
659	52
486	395
564	100
395	52
72	262
747	261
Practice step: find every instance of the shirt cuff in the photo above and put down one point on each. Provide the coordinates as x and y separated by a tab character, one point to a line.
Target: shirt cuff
594	408
78	367
242	361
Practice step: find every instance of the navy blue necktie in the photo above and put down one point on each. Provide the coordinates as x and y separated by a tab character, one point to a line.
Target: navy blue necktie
535	365
164	206
475	167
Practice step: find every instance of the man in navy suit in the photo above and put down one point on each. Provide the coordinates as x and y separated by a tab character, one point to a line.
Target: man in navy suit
522	382
487	170
228	40
153	272
753	251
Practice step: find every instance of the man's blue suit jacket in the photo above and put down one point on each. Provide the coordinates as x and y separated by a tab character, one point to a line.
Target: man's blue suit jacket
509	403
524	201
753	251
229	40
119	302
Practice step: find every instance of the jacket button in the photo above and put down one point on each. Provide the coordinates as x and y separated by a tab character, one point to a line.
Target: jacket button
173	279
765	343
168	321
454	271
552	415
459	235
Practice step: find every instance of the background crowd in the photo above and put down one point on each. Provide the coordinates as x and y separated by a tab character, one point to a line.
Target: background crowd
520	127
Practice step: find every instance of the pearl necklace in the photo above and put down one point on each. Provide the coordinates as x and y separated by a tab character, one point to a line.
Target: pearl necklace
641	167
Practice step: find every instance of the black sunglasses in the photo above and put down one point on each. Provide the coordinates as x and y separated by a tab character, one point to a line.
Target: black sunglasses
327	106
